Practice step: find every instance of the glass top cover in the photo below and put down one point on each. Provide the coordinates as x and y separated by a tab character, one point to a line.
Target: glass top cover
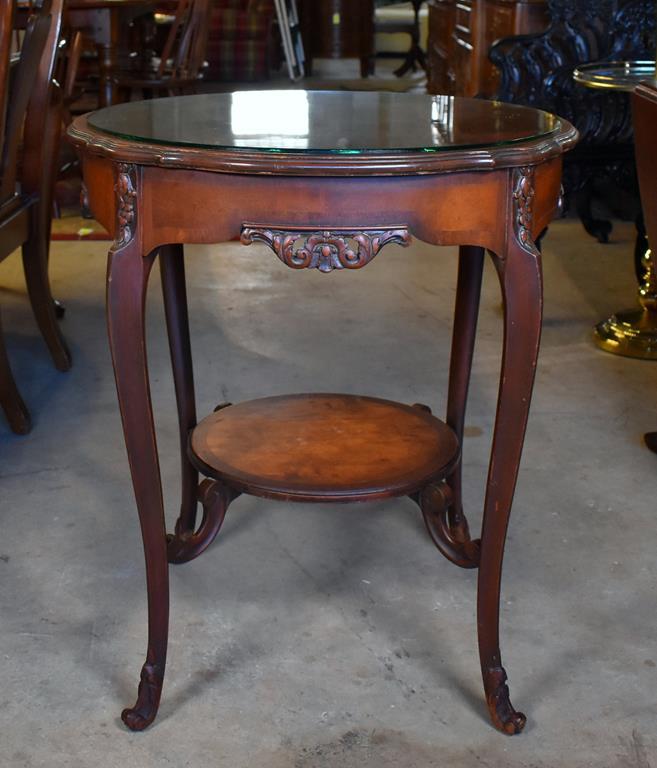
615	75
324	121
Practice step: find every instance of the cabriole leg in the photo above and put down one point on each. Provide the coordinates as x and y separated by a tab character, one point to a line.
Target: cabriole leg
520	276
466	311
172	268
128	272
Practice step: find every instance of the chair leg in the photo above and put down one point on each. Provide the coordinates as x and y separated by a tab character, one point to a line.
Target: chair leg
35	264
10	399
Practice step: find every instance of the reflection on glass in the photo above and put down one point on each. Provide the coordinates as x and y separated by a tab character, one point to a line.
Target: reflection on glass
324	121
442	118
281	118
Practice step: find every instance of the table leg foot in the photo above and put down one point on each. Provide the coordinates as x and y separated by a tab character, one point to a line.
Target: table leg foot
448	526
140	716
185	545
503	716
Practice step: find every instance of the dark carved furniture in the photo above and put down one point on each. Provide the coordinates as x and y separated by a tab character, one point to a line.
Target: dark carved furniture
461	33
358	173
537	70
29	132
338	29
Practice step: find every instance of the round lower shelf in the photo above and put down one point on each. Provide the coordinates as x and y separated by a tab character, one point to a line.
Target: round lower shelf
324	447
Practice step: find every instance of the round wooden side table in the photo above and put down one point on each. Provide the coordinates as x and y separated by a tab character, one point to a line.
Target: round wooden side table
327	181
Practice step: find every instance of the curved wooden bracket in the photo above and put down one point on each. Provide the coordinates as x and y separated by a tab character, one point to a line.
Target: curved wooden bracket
448	526
504	717
183	546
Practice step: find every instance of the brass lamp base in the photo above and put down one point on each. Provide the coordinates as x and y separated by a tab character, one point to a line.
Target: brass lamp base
632	333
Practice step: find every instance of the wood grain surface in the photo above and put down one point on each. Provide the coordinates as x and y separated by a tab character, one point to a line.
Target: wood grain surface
313	447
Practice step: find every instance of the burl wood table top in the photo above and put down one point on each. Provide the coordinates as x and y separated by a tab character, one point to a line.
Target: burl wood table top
350	447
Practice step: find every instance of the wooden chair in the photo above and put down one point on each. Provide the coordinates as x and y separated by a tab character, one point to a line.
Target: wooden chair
29	134
180	66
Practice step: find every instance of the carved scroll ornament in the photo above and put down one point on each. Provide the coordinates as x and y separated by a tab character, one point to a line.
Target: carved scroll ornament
126	211
523	199
325	250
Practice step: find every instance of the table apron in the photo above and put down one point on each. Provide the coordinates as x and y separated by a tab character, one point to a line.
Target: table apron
185	206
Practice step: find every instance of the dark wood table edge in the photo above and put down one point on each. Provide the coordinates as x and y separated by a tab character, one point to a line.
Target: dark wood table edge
397	163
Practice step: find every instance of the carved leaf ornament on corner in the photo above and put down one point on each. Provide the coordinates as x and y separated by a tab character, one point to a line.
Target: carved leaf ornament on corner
325	250
523	196
126	192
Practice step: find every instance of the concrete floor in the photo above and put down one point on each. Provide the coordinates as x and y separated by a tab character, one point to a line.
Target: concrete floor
317	637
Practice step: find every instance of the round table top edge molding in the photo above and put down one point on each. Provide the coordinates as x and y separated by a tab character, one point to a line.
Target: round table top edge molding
290	163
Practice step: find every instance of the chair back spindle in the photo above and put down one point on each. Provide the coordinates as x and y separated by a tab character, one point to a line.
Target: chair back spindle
6	27
22	81
184	51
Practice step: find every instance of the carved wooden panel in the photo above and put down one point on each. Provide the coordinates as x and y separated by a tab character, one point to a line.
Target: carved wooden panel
126	211
325	250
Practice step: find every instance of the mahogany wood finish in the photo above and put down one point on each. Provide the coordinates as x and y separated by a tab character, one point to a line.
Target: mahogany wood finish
338	29
172	269
395	450
30	132
461	33
155	197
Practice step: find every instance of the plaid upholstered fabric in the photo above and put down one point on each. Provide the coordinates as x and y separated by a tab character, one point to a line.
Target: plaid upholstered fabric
239	39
